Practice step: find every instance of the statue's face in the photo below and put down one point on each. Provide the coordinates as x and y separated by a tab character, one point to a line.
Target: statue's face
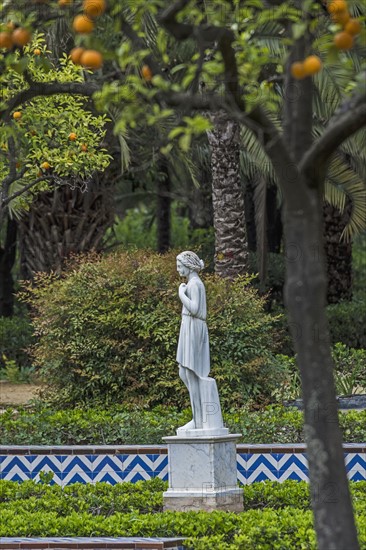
182	269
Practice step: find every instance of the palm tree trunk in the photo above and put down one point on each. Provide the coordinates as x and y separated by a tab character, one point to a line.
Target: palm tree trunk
61	222
231	247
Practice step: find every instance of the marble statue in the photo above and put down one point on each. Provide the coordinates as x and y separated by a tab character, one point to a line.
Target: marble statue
193	353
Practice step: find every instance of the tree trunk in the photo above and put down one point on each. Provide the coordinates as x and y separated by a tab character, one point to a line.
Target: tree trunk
200	203
274	221
305	293
7	259
249	208
338	254
61	222
163	207
231	247
305	297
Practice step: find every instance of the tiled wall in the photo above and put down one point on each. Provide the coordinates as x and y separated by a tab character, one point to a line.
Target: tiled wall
114	464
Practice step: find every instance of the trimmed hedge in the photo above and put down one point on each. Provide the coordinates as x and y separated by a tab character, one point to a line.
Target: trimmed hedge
118	426
277	516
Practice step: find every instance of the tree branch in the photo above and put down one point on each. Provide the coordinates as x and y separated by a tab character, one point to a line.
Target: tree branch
346	121
205	36
24	189
47	89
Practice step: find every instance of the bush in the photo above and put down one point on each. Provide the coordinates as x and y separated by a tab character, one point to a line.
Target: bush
117	426
277	516
349	373
108	329
15	339
347	321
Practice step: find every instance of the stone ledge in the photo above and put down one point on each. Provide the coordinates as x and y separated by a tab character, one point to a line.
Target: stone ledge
94	543
230	501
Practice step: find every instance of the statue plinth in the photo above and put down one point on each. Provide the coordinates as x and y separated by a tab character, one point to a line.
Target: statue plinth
203	472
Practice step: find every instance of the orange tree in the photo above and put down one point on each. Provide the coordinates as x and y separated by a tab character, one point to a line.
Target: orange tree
44	142
227	67
47	140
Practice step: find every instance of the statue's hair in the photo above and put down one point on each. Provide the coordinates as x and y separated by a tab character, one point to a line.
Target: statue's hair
191	260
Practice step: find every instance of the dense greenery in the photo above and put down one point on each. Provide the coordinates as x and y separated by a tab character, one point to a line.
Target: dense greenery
119	426
107	330
277	516
15	338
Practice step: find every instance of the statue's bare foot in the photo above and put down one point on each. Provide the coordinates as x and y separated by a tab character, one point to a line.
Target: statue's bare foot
189	426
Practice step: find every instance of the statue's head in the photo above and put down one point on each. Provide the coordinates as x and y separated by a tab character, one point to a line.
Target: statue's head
190	261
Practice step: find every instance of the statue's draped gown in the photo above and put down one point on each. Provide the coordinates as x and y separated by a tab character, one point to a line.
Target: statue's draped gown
193	346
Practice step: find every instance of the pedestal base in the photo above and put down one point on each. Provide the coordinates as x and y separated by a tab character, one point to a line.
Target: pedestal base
203	473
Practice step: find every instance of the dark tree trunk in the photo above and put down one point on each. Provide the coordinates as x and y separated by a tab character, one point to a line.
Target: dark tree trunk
163	205
7	259
249	208
200	204
338	254
274	221
231	247
305	296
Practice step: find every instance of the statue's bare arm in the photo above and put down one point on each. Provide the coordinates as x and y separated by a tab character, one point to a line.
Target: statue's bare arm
192	304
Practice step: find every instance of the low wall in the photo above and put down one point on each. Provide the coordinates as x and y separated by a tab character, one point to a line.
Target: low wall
115	464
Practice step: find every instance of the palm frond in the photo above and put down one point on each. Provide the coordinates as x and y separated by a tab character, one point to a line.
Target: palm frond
343	182
253	160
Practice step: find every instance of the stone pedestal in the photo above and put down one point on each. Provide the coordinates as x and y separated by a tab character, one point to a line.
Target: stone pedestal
203	473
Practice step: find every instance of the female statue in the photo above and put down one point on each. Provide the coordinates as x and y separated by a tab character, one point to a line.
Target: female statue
193	354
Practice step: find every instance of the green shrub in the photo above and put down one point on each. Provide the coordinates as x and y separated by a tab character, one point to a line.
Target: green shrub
349	373
117	426
347	321
359	264
276	516
15	339
108	330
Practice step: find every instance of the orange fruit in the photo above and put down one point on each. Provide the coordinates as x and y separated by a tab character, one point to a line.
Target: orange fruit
72	136
21	36
312	64
353	27
75	55
45	165
337	6
84	147
83	24
94	8
343	41
146	73
298	70
5	40
91	59
341	17
37	51
17	115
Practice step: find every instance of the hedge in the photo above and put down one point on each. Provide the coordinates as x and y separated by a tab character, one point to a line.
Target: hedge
277	515
121	426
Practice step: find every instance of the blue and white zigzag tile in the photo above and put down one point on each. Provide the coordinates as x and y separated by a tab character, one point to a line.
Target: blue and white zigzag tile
115	468
356	466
